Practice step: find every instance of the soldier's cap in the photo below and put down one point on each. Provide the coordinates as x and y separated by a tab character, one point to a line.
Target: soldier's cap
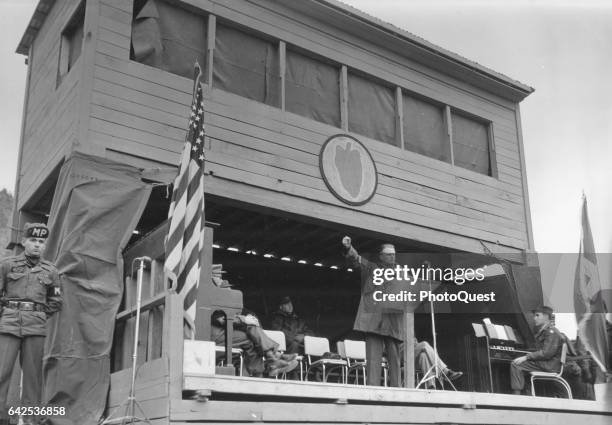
544	309
284	300
35	230
387	248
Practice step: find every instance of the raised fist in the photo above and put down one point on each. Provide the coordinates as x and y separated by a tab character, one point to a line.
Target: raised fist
249	319
346	241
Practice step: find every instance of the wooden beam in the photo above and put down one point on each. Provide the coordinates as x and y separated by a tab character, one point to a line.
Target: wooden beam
492	154
354	413
399	116
449	131
387	395
526	205
212	30
409	350
282	48
173	344
146	305
344	98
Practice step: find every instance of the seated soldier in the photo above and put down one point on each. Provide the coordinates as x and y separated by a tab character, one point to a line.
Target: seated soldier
547	358
255	344
579	370
424	357
291	325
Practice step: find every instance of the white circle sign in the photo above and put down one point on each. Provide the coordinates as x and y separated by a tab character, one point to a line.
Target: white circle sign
348	169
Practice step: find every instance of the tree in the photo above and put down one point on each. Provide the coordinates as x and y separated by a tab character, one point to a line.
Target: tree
6	208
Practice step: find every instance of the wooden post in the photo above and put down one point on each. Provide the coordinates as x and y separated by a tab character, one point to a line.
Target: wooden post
399	117
174	343
202	321
409	350
344	98
282	48
210	50
449	131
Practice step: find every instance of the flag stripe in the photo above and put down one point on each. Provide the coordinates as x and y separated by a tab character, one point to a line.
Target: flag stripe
186	214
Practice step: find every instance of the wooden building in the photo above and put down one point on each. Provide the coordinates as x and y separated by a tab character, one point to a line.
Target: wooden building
113	78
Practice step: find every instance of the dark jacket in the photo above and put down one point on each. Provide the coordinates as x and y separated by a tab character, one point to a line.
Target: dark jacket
371	319
549	342
289	323
39	284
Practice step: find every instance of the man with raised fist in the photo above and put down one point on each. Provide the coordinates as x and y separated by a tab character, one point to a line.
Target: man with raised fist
382	329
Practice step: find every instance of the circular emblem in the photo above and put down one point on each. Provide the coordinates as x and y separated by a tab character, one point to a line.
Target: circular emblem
348	169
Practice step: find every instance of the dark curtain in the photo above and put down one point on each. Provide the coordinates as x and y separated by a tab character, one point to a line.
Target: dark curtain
471	144
169	37
312	89
425	129
371	109
96	206
246	65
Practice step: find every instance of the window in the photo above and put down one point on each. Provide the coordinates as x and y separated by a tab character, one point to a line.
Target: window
246	65
471	143
168	37
425	128
71	42
312	88
371	109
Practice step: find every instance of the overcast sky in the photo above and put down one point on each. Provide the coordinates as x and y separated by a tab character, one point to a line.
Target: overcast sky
561	48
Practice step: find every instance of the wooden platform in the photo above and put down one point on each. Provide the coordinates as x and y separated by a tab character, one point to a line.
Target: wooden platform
241	400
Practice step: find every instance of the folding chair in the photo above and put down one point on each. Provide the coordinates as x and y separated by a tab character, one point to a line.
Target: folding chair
552	376
236	352
316	347
355	354
279	338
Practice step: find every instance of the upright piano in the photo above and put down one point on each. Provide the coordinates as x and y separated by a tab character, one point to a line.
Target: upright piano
491	348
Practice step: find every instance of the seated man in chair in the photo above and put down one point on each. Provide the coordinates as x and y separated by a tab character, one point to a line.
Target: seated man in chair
547	358
294	328
424	357
256	345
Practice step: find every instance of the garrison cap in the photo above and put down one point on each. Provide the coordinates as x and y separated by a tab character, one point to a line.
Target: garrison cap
36	230
387	248
544	309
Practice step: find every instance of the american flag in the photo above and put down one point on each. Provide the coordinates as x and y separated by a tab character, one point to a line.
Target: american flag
185	239
589	302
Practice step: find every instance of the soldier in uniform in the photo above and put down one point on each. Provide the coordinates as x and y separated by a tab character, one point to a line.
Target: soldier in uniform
294	328
547	358
29	293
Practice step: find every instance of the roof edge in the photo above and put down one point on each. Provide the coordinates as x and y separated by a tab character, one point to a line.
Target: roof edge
407	36
36	22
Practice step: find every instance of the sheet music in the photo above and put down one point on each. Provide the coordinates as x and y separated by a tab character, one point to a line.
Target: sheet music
501	332
478	330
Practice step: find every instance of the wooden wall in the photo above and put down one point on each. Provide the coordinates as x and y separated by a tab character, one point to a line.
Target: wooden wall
51	115
259	154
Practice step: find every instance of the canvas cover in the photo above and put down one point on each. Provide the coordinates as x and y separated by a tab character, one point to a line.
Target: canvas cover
96	206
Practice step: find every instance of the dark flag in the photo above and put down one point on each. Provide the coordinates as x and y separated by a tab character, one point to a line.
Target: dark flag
186	215
588	297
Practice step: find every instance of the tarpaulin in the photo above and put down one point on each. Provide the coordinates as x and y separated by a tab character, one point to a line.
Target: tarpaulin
471	144
96	206
371	109
312	88
425	129
169	37
246	65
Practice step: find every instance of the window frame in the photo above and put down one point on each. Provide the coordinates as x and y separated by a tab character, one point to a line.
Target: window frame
77	19
493	172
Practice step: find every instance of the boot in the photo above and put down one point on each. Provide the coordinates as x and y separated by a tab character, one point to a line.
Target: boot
277	368
288	356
